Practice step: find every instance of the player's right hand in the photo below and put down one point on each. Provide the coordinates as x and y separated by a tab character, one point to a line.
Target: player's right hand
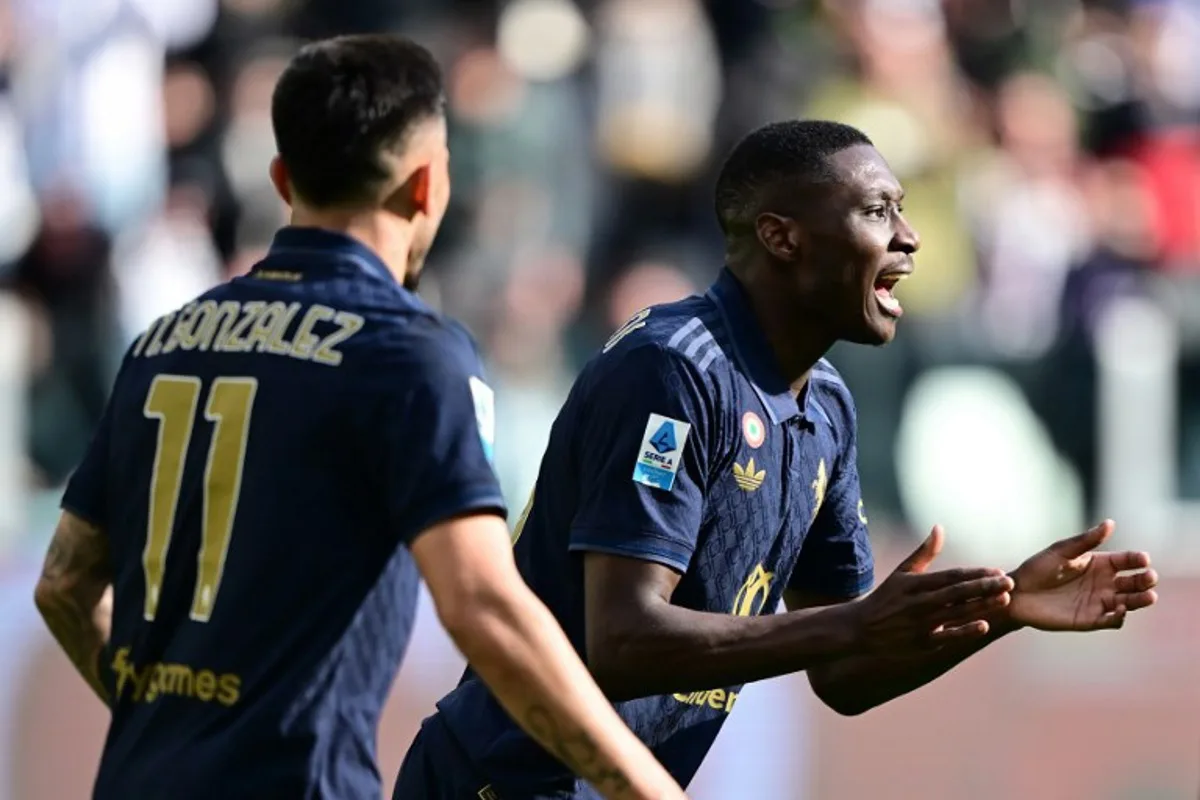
916	610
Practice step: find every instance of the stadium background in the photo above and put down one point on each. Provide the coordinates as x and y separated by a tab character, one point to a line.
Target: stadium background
1046	372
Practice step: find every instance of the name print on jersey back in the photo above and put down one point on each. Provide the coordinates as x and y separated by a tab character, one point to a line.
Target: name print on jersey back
233	326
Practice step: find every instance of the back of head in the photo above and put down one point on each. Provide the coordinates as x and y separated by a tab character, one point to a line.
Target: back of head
341	104
768	166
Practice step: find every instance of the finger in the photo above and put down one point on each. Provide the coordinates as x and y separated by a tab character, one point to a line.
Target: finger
1130	559
923	556
1132	601
966	592
934	581
1112	620
959	634
1136	581
956	615
1084	542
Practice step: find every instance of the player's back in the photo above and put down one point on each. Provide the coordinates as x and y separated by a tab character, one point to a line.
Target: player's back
256	499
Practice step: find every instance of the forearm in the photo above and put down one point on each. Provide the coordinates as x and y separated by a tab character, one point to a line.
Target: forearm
676	649
81	623
74	595
518	649
857	684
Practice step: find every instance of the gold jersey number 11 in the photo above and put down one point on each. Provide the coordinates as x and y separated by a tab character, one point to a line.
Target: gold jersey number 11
172	401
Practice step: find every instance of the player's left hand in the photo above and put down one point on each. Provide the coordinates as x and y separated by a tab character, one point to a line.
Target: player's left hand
1070	587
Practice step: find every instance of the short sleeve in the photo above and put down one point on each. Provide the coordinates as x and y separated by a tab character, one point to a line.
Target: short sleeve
86	495
642	445
435	435
836	558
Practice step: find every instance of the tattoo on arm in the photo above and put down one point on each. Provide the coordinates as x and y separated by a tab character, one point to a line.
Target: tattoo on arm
577	751
74	595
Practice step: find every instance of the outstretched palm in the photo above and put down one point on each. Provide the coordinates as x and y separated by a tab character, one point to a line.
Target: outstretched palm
1069	587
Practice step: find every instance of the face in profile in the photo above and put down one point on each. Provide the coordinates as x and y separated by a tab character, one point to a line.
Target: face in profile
430	142
859	247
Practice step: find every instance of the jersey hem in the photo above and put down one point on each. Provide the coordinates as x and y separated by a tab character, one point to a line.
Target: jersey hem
672	558
483	501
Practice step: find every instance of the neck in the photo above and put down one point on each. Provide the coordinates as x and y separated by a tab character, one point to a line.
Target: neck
796	340
390	239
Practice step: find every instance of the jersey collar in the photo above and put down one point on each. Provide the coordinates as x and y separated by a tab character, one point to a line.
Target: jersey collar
294	241
752	351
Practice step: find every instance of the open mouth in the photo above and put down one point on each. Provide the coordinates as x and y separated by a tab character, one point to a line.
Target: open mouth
885	283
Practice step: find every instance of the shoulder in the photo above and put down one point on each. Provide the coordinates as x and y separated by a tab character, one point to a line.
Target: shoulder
685	337
830	399
425	345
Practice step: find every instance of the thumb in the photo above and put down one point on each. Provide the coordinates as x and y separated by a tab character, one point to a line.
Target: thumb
1085	542
923	556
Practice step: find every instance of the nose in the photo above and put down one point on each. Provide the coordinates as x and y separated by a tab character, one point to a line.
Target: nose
905	238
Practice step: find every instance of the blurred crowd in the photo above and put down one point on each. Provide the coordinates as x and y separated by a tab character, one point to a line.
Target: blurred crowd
1049	148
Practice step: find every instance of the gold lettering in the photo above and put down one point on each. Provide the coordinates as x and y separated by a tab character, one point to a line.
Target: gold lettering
351	324
276	343
265	325
276	275
145	337
227	316
206	685
304	341
237	342
230	689
716	699
156	343
182	325
160	679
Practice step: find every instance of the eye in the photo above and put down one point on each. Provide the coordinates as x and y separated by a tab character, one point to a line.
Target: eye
877	212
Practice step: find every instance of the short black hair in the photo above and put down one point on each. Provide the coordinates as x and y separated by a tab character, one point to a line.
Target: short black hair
773	153
341	103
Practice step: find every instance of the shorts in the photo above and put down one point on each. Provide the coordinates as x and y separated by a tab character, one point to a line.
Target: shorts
437	768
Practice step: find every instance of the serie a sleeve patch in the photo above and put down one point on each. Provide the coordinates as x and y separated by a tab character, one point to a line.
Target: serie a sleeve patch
660	452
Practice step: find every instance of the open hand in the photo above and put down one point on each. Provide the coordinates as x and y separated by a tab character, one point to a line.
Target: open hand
917	610
1069	587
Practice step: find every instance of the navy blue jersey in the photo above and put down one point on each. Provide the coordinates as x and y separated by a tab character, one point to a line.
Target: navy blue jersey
681	444
268	453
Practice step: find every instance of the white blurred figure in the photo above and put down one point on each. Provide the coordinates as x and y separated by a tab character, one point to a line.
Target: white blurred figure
165	263
972	456
89	96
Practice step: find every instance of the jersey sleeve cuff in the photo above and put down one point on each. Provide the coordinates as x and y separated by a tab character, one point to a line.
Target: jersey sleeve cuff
77	509
464	501
846	584
645	547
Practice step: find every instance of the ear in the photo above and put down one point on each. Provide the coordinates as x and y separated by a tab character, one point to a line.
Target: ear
781	236
419	185
279	179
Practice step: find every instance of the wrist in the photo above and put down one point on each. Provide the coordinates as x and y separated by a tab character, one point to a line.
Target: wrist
1008	619
844	630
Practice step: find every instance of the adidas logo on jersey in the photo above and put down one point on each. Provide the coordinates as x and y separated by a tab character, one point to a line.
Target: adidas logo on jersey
747	479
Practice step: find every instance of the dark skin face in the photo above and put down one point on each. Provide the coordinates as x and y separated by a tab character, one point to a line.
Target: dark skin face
822	266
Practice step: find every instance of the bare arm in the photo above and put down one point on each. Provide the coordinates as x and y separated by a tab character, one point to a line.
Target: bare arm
640	644
518	649
859	683
74	595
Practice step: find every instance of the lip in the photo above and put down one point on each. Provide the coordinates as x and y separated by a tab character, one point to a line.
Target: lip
899	271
